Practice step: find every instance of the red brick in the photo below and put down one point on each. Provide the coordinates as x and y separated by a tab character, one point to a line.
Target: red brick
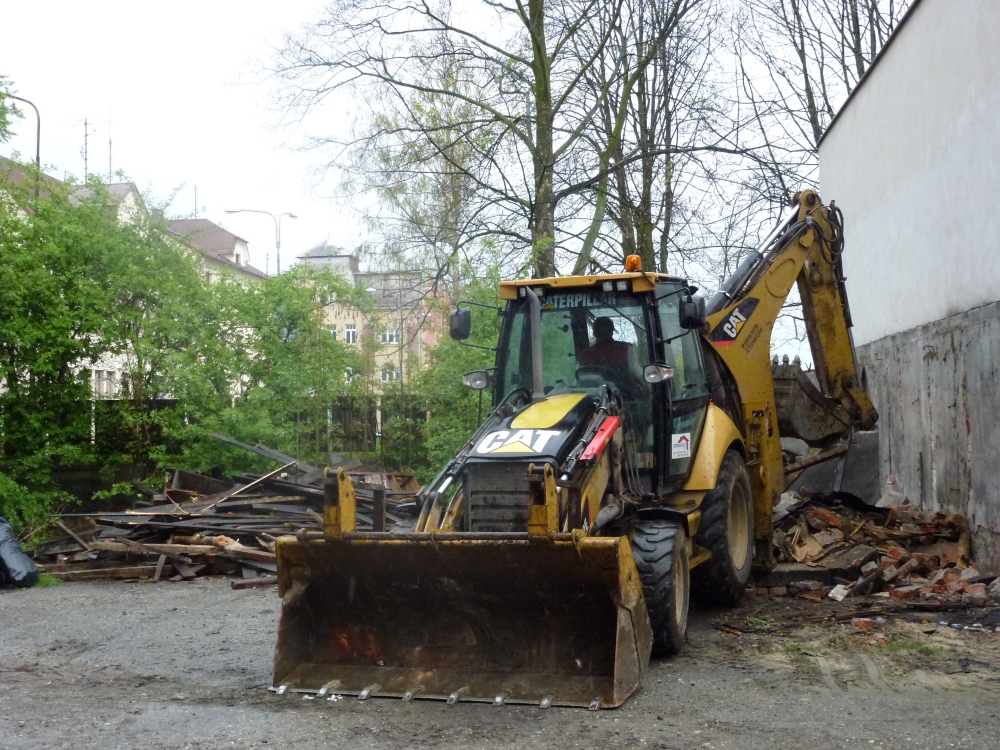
905	592
886	562
862	623
908	567
976	589
928	562
828	517
869	569
898	553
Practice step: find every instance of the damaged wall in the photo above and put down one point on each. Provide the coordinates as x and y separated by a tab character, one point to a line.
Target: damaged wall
936	391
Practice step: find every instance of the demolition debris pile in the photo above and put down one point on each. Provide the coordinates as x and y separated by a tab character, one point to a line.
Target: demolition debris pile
842	547
202	526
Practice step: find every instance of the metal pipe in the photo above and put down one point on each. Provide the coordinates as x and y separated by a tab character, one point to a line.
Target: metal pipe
731	287
38	137
537	379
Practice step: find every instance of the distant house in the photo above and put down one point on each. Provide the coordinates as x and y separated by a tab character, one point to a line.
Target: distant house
396	335
124	197
221	250
912	160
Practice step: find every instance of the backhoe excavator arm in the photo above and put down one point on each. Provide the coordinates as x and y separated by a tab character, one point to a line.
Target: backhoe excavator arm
804	249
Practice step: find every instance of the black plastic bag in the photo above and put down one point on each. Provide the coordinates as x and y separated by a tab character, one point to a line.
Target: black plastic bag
15	566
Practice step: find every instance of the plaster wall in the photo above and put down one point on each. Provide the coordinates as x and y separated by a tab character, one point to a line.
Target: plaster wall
914	162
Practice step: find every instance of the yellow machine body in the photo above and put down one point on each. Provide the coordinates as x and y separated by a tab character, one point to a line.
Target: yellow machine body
544	618
555	614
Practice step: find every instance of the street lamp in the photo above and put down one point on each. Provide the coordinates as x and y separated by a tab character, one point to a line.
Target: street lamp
38	135
277	226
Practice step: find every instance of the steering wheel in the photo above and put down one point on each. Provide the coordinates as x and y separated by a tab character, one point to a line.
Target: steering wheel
605	374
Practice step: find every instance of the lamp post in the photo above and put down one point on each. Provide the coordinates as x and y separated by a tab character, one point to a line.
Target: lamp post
38	135
277	226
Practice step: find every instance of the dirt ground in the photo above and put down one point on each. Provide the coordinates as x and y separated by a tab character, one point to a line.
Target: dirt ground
186	665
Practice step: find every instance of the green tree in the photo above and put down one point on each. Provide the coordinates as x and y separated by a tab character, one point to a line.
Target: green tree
453	408
8	112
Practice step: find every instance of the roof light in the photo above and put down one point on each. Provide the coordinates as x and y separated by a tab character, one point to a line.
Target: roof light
633	263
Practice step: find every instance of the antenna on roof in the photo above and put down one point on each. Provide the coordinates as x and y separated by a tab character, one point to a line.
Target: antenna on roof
86	136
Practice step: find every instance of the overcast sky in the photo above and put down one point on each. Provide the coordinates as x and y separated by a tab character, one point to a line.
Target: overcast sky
178	81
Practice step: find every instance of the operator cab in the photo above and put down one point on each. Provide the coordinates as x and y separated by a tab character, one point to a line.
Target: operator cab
638	338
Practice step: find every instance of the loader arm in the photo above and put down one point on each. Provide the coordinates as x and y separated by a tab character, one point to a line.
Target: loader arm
805	250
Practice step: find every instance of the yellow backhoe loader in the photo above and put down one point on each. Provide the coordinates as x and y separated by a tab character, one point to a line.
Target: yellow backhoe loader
631	456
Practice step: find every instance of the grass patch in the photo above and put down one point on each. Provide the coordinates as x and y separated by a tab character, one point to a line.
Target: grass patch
47	580
756	622
917	648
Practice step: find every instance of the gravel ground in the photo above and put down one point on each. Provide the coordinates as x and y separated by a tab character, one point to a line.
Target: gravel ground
186	665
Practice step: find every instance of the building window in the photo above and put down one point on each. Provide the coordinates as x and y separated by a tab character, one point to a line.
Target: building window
390	374
390	336
350	334
333	331
105	383
237	258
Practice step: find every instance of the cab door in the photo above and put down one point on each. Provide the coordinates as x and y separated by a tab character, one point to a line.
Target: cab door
681	349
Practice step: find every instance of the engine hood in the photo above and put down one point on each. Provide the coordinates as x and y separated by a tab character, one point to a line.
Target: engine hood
546	430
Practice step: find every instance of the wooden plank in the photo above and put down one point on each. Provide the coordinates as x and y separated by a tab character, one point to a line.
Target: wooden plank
819	458
253	583
77	539
113	574
257	555
262	450
159	568
252	484
163	549
144	550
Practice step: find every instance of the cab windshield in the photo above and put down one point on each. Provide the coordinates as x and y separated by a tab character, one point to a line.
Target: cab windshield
589	338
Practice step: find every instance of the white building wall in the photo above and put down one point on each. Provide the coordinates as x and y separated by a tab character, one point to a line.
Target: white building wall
914	162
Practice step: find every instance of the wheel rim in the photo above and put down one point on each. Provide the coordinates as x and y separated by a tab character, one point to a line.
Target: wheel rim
738	526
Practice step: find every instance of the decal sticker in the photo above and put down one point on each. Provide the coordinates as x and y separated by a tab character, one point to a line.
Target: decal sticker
572	299
752	337
644	460
729	327
515	441
680	445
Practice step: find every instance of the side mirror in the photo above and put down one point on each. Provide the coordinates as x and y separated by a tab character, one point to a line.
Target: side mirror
692	313
477	380
460	324
657	373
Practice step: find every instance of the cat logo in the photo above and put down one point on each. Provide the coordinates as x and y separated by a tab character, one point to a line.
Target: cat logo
729	327
515	441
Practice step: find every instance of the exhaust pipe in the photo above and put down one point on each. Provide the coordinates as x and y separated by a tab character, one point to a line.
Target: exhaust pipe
537	381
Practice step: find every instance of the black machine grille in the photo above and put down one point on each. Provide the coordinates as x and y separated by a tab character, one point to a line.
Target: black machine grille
498	496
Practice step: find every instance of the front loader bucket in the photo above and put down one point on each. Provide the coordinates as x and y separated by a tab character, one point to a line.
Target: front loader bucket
462	617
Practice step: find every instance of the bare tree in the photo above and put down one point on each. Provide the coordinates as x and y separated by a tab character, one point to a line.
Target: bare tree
519	75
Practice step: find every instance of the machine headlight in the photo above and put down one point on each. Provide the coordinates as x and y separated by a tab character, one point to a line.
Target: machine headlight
657	373
477	380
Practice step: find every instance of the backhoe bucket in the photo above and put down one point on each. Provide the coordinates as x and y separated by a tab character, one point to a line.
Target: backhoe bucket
473	617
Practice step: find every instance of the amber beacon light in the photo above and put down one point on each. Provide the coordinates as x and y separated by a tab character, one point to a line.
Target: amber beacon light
633	263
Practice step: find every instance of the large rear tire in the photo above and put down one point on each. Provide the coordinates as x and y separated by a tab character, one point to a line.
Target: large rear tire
726	529
660	554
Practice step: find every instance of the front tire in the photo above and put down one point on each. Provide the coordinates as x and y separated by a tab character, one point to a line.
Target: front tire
726	529
659	549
